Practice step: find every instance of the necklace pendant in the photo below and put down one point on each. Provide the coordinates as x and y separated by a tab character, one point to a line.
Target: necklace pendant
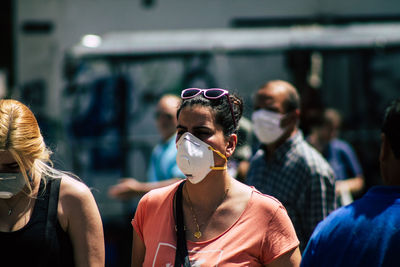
197	234
9	212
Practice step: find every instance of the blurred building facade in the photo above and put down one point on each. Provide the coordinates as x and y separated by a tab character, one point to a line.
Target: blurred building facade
97	114
43	31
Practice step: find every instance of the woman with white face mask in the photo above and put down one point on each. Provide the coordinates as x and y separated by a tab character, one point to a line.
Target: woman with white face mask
211	219
47	217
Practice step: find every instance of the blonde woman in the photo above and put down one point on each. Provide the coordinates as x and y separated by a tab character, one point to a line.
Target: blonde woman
47	217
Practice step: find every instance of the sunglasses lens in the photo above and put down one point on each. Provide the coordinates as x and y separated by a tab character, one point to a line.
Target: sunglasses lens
214	93
190	93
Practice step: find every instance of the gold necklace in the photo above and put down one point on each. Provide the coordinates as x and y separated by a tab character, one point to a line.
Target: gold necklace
197	234
11	207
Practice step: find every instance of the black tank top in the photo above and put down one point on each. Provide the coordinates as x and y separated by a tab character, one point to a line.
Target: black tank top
42	242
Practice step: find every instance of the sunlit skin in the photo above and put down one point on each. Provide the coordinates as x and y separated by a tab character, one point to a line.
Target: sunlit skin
200	122
215	211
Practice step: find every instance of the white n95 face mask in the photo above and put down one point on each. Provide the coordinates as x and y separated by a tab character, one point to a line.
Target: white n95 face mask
11	184
267	125
195	158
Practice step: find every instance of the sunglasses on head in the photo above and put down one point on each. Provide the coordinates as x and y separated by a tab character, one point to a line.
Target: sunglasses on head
212	93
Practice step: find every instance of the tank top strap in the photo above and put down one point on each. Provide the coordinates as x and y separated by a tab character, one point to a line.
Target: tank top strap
41	205
52	192
54	187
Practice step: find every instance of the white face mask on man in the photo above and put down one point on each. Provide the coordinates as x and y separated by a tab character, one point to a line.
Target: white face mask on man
195	158
11	184
267	125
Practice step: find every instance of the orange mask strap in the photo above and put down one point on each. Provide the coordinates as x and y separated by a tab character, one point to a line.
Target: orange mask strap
222	156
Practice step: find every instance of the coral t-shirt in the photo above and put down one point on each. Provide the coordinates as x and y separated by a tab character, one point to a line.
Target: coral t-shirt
262	233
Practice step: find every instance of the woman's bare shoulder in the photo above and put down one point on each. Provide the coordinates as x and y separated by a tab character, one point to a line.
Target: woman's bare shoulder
75	200
71	187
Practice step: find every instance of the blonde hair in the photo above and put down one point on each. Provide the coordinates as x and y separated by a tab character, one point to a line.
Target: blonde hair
20	135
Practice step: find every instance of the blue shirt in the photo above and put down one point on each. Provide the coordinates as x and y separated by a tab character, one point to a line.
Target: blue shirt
342	159
299	177
364	233
162	164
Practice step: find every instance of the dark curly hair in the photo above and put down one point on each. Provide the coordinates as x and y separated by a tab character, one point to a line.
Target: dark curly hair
221	109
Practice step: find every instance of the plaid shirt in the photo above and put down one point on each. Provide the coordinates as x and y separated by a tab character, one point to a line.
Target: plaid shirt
299	177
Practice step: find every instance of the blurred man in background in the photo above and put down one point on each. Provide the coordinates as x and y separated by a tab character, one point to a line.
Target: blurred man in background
286	166
339	154
366	232
162	170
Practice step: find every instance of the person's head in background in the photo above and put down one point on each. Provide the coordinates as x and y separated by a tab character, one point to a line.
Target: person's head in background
390	146
212	117
166	115
276	112
331	124
325	127
22	148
